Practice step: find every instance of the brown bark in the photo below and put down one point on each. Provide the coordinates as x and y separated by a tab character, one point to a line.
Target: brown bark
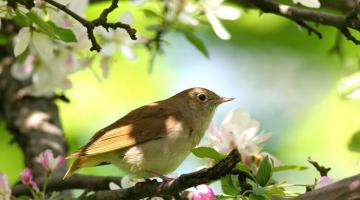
32	138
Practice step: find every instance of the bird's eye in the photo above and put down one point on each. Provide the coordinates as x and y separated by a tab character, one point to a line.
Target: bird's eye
201	97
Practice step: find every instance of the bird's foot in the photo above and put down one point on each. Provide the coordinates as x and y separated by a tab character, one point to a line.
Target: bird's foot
140	184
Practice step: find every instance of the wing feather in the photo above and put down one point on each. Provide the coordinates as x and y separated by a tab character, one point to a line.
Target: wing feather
141	125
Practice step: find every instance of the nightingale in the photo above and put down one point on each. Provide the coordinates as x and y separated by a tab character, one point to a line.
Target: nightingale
152	140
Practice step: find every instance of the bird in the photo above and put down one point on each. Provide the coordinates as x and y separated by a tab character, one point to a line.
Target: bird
152	140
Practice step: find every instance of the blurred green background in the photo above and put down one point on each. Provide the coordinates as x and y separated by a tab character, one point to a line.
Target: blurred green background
284	78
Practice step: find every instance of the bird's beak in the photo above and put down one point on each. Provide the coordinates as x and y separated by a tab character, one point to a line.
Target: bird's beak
224	99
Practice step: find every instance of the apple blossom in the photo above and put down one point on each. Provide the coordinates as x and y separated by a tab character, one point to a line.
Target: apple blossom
48	161
203	192
214	10
238	130
26	179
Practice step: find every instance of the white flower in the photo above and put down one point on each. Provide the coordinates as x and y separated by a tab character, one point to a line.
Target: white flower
214	10
128	181
182	11
308	3
238	130
349	86
23	71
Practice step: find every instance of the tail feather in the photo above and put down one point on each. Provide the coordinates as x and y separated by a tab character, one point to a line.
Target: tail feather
82	161
73	168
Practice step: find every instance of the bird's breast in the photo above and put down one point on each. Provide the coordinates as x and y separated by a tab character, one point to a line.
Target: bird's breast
162	155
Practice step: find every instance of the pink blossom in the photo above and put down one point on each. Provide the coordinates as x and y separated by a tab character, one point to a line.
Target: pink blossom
48	161
39	3
26	178
323	181
5	191
203	192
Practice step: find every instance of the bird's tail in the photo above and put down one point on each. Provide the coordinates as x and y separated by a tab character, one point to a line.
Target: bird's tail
80	162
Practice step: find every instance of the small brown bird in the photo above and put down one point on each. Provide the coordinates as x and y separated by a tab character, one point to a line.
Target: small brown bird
154	139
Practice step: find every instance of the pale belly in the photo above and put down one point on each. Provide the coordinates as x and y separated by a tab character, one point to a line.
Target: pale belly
156	157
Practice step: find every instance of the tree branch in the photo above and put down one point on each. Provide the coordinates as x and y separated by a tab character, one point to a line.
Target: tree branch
101	21
140	190
341	22
90	183
348	188
172	187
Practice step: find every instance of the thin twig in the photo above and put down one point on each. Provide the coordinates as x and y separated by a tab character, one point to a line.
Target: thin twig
302	15
349	36
308	28
321	169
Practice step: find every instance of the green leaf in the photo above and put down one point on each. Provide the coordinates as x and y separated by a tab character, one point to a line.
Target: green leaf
23	197
257	197
228	186
207	152
275	191
257	190
242	167
151	13
21	19
264	172
223	197
63	34
5	38
197	42
289	167
354	144
41	24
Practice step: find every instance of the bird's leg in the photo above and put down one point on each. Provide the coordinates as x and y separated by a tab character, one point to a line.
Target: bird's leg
140	184
165	180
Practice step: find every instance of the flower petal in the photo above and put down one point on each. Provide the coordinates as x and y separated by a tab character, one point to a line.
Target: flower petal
203	192
5	191
227	12
114	186
128	52
126	17
309	3
22	41
218	28
23	71
43	46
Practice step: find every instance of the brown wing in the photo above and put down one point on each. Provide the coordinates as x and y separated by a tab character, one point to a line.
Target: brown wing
141	125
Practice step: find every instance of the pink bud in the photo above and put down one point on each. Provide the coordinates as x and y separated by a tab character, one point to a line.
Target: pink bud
5	191
203	192
26	178
48	161
323	181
